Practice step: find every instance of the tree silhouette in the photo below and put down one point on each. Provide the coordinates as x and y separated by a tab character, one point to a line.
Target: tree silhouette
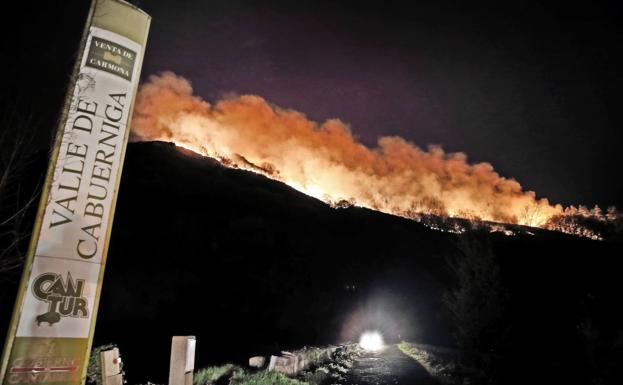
16	196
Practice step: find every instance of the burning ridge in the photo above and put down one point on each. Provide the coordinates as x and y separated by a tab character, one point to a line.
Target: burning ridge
325	160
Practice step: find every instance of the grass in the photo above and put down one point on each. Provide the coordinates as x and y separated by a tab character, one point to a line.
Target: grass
336	369
212	374
239	376
407	349
444	367
265	378
420	356
322	370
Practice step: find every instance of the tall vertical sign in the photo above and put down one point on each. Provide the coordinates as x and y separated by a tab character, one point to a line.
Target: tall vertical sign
51	331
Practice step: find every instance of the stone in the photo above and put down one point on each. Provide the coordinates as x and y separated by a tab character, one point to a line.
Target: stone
257	362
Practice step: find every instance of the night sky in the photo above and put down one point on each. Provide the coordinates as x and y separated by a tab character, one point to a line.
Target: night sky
533	89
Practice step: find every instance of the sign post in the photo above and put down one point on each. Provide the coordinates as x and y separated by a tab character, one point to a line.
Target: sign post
51	331
110	365
182	360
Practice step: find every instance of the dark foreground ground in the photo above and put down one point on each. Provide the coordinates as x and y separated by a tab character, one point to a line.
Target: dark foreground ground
252	267
388	367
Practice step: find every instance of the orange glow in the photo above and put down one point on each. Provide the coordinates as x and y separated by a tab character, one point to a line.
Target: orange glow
325	161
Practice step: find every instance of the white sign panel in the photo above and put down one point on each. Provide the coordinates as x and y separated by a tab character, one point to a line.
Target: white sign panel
191	343
64	277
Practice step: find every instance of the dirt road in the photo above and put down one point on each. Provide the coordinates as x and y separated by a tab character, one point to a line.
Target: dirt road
388	367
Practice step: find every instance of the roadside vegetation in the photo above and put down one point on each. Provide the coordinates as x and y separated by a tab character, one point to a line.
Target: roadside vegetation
441	363
214	374
478	308
335	370
322	370
264	378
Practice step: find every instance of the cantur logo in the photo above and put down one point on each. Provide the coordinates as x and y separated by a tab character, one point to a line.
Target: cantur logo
64	297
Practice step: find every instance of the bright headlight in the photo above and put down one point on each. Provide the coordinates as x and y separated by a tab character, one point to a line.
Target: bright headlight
372	341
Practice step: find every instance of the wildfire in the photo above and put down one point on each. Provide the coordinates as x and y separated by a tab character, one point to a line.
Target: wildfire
325	160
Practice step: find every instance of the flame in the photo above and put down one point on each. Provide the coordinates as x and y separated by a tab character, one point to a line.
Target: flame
325	161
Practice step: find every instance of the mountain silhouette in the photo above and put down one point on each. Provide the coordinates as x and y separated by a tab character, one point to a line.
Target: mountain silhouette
251	266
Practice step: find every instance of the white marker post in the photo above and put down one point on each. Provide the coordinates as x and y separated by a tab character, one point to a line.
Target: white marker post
110	363
182	360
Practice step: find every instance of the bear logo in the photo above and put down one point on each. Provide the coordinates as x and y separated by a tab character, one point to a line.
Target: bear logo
50	317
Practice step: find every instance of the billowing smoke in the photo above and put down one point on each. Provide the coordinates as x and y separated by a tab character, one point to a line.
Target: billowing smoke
325	160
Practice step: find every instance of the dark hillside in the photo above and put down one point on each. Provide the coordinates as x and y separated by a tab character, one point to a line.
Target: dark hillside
250	265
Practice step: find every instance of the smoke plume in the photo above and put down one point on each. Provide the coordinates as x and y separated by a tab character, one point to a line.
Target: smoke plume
324	160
